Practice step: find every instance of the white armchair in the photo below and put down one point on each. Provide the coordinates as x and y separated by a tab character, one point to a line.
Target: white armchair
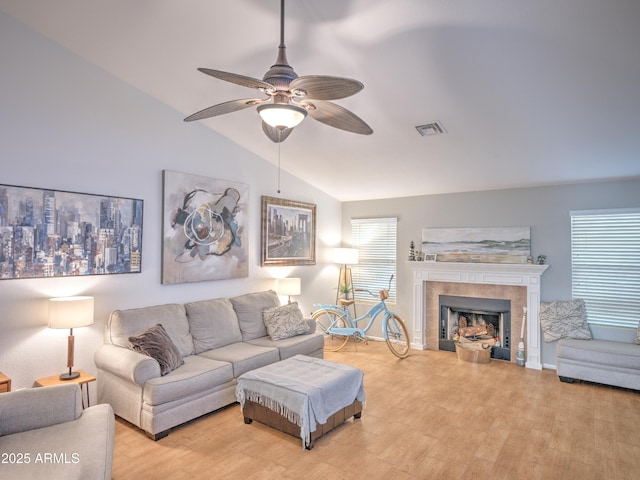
45	433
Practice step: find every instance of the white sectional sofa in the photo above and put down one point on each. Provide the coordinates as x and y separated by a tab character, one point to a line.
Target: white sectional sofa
214	342
600	361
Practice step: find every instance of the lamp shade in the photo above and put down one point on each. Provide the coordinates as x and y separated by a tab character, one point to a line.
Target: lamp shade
346	256
282	115
288	286
70	312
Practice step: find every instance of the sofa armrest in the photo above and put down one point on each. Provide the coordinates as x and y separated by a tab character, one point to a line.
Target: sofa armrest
127	364
41	407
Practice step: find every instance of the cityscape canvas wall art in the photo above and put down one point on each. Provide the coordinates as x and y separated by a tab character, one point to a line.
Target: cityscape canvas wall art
204	229
481	245
53	233
288	232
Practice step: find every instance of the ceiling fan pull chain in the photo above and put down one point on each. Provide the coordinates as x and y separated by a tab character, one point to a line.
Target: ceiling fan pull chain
279	143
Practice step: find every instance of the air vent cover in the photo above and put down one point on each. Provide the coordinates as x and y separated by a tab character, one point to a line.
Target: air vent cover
434	128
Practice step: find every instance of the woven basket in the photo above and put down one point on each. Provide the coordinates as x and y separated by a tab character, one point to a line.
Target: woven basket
473	355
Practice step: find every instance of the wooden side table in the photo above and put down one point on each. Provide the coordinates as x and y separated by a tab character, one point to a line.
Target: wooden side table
346	304
5	383
83	380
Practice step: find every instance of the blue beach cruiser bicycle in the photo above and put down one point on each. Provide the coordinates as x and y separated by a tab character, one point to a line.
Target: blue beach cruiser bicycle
338	325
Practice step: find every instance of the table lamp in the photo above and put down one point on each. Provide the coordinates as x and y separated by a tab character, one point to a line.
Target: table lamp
345	257
288	286
70	312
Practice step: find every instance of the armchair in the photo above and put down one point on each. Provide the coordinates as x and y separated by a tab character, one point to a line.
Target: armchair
45	433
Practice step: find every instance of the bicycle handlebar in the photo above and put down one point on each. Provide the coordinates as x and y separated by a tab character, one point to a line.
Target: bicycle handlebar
383	294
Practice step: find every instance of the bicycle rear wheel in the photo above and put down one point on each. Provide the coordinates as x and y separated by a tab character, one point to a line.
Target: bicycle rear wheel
397	337
324	319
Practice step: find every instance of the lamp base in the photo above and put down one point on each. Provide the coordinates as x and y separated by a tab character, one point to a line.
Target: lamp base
69	375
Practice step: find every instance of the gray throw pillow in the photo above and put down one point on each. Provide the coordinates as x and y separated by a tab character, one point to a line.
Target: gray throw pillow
564	319
285	322
155	343
637	340
249	309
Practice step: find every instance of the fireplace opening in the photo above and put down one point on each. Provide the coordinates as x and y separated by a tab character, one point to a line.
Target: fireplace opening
486	320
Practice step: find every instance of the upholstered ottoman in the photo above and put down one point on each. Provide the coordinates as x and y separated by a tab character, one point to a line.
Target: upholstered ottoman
302	396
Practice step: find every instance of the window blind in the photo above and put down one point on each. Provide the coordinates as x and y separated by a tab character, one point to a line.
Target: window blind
375	238
605	264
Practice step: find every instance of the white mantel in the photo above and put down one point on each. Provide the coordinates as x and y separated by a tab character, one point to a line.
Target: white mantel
524	275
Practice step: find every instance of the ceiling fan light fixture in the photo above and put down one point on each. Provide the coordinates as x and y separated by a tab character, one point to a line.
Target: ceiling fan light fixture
280	115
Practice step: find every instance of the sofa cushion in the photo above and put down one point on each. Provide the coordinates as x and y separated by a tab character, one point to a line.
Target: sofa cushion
198	374
243	356
249	309
213	323
600	352
311	344
126	323
285	321
155	343
564	319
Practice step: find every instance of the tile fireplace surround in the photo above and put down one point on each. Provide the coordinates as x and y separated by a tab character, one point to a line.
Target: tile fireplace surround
519	283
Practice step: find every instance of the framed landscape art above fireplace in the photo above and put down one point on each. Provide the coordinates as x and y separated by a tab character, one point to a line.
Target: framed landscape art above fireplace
478	245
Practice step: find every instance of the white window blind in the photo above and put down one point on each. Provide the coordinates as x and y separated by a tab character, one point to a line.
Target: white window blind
605	264
375	239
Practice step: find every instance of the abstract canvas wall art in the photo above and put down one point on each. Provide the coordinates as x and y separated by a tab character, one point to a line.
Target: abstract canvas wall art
54	233
204	227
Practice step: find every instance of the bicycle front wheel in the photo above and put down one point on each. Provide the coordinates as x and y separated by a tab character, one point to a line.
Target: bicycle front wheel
325	318
397	337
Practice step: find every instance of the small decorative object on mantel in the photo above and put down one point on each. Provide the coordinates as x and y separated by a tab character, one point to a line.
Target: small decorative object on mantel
541	259
412	252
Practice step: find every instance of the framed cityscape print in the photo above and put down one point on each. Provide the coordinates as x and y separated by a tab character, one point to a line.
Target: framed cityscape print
204	227
54	233
288	232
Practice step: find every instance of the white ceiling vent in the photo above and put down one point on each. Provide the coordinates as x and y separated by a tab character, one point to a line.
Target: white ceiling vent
428	129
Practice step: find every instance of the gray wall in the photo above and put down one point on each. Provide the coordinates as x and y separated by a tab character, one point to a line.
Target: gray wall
67	125
544	209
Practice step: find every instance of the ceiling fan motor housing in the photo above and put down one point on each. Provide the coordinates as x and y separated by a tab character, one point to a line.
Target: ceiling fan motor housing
281	74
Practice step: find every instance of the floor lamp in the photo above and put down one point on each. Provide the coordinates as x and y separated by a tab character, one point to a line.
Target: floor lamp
70	312
345	257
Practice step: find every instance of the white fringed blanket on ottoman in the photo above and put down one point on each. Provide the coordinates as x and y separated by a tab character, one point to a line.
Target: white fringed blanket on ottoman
312	394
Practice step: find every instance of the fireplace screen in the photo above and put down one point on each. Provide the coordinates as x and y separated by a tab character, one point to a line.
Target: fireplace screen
484	320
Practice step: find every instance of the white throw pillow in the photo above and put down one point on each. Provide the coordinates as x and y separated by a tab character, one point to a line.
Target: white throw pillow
564	319
285	322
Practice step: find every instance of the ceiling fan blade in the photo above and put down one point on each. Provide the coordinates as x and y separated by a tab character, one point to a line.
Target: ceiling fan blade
324	87
241	80
222	108
276	135
337	116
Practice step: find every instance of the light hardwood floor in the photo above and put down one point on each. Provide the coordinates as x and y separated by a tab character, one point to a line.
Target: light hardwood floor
428	416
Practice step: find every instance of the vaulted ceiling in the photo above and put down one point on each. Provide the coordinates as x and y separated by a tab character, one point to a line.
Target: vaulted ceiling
529	92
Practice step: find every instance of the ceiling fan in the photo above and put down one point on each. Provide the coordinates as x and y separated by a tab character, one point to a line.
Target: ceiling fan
289	98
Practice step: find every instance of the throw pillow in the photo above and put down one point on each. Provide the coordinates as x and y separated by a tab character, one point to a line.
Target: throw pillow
155	343
637	340
564	319
249	309
285	322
